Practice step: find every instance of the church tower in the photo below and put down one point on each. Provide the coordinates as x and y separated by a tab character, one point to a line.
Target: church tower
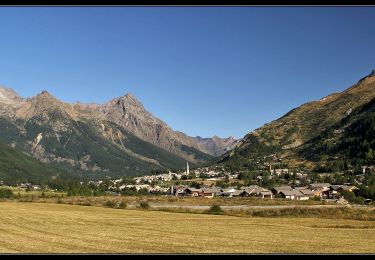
187	168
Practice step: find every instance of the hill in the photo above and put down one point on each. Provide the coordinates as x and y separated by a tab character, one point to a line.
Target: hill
350	142
289	138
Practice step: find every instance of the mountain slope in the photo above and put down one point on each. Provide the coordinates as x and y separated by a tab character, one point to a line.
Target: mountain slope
351	141
16	167
129	113
284	135
77	138
216	146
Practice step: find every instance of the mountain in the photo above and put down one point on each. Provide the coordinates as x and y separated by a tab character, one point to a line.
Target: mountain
16	167
78	138
216	146
129	113
289	135
349	142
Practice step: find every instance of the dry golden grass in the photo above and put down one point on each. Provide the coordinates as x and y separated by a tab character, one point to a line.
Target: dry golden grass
183	201
56	228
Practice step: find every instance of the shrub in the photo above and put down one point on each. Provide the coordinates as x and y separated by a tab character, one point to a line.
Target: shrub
60	201
6	193
358	200
122	205
110	204
316	198
144	205
215	209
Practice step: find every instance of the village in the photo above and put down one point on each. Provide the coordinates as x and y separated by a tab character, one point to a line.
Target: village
211	182
216	181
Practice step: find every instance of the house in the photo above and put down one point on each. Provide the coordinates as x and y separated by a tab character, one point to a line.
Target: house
179	190
24	185
256	191
293	195
318	192
324	186
335	190
340	188
209	193
278	190
193	192
30	186
248	191
287	194
216	190
266	194
36	187
307	192
157	189
227	192
321	189
239	193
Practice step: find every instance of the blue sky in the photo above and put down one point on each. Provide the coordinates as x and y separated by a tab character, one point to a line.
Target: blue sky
203	70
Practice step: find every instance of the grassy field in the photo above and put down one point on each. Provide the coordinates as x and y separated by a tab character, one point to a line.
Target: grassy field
57	228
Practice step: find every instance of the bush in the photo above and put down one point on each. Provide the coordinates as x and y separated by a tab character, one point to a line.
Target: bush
122	205
215	209
358	200
316	198
60	201
348	195
110	204
6	193
144	205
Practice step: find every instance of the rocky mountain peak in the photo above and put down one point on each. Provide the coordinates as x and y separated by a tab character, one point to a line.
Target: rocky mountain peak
130	95
126	101
231	138
8	96
372	74
130	99
45	94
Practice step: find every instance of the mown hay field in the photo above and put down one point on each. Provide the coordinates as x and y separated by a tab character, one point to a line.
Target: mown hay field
59	228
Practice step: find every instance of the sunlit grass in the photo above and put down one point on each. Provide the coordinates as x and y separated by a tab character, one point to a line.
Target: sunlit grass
55	228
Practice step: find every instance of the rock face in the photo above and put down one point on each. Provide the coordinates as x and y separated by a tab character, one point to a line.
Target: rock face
129	113
9	101
216	146
8	96
118	137
77	137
